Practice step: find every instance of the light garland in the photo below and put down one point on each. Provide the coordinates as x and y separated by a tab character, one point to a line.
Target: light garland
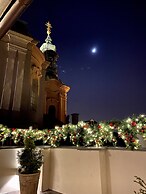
83	134
4	133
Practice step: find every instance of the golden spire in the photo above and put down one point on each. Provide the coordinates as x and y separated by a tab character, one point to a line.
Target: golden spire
48	28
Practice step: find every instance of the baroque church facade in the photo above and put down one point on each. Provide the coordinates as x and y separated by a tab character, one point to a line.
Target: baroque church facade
31	93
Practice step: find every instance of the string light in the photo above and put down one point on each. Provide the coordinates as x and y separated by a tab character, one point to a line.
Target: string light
83	134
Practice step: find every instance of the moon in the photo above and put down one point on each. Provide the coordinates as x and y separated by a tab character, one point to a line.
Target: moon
93	50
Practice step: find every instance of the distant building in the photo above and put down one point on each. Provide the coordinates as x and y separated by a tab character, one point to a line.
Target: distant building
30	91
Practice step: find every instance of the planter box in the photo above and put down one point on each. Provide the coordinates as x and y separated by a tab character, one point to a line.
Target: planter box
29	183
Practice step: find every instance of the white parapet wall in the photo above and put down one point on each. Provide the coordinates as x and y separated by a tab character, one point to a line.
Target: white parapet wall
96	171
8	170
79	171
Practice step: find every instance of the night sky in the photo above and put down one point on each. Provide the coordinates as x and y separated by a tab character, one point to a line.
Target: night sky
107	84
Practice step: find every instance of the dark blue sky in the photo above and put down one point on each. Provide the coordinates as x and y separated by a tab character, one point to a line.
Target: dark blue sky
110	84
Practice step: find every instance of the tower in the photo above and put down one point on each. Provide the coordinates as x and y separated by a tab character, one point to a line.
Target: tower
55	98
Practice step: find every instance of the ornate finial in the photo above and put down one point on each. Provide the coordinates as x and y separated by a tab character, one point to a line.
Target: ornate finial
48	41
48	28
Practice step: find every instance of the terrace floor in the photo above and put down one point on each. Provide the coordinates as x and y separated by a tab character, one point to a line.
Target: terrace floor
46	192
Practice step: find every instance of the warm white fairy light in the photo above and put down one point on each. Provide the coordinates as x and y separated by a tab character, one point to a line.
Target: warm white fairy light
94	135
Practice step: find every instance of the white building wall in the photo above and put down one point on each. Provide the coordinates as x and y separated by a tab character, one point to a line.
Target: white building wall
79	171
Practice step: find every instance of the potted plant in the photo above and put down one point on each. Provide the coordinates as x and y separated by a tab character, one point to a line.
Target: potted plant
30	160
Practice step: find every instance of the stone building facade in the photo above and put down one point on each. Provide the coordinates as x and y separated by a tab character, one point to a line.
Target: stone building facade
21	66
55	102
31	93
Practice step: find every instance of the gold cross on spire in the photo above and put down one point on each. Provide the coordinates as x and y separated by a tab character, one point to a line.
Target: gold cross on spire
48	27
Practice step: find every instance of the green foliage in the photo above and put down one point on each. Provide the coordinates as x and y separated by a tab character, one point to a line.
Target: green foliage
123	133
30	158
5	132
